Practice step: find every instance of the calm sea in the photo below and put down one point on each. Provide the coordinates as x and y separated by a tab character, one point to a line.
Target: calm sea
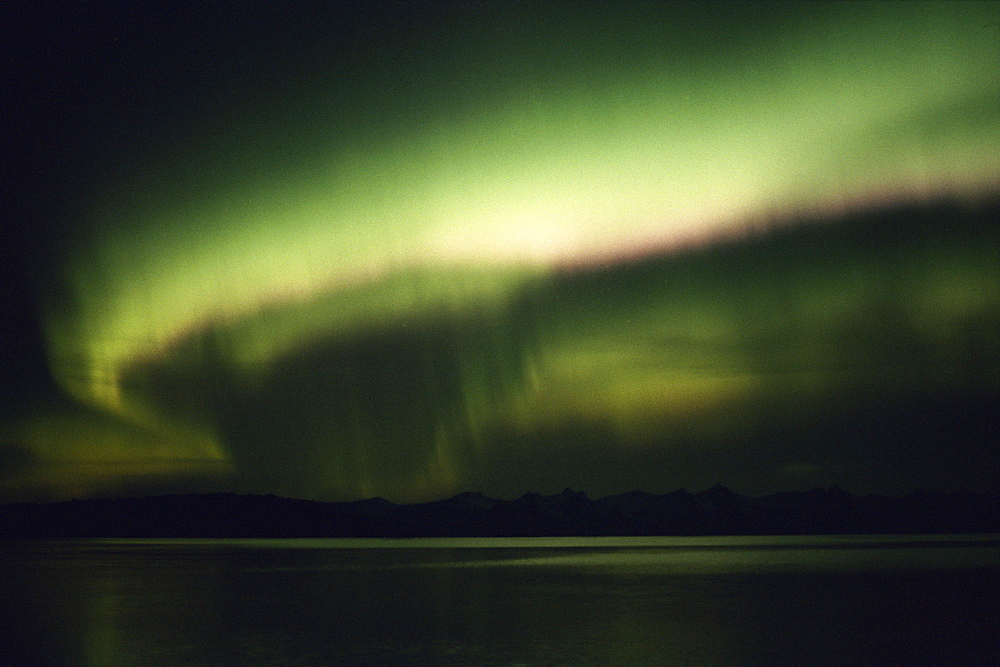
720	600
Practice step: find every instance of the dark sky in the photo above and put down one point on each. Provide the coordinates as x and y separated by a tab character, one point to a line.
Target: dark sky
340	250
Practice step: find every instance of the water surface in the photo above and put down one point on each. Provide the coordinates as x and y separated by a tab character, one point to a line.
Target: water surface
721	600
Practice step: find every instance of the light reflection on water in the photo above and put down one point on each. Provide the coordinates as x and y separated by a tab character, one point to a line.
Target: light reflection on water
531	600
707	541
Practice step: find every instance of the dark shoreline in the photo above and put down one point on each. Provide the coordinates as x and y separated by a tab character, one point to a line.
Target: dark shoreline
717	511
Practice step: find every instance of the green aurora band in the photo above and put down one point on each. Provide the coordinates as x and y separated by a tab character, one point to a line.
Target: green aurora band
523	232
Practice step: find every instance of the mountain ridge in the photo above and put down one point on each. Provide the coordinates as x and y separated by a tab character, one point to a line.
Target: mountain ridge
716	511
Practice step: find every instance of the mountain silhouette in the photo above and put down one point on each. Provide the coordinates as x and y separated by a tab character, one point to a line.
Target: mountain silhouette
717	511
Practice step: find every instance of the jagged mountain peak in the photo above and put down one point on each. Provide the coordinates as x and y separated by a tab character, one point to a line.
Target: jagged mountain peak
718	491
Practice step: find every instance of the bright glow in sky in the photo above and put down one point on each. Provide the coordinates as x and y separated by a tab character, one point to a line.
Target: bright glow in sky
527	154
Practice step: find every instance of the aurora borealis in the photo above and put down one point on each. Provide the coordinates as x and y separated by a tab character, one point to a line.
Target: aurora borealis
409	250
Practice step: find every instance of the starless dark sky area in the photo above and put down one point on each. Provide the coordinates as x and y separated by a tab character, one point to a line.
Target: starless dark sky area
339	250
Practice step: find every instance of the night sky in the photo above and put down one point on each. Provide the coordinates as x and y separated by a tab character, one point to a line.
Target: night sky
354	249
